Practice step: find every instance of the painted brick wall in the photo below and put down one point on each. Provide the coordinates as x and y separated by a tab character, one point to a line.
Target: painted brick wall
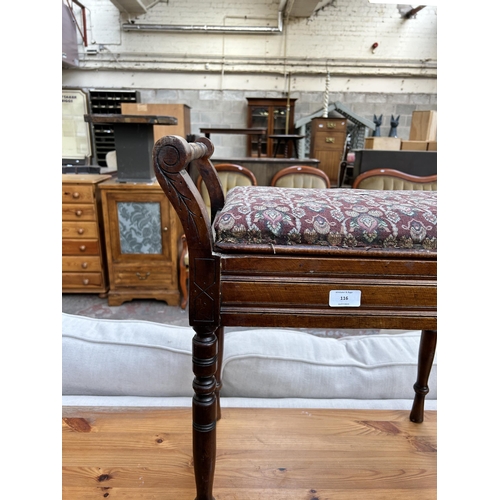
214	73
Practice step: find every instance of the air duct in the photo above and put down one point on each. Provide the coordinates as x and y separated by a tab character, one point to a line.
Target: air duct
172	28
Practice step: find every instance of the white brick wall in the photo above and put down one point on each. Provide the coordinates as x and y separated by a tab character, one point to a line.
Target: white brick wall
214	73
339	37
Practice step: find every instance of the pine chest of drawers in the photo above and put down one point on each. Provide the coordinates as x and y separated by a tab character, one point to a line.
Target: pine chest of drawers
83	250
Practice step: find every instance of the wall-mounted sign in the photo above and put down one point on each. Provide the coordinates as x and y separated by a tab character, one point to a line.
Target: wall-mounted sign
76	143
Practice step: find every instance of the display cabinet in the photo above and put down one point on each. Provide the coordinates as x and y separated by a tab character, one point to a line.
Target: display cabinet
142	233
83	251
270	114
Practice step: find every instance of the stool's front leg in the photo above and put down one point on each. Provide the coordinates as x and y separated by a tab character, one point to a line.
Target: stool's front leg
204	410
218	374
426	353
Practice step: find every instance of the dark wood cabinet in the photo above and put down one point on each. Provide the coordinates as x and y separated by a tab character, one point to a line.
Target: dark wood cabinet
328	137
270	114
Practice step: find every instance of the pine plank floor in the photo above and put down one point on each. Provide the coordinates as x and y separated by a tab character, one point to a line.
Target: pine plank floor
275	454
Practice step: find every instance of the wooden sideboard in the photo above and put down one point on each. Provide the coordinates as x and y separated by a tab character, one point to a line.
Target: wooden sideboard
83	253
142	232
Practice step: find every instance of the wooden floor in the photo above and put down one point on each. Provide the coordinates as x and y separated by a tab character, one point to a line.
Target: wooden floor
272	454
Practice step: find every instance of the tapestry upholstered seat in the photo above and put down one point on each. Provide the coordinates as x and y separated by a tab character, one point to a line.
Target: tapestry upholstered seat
299	258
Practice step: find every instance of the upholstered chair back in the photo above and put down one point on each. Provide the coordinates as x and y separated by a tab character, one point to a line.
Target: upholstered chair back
230	176
392	180
301	176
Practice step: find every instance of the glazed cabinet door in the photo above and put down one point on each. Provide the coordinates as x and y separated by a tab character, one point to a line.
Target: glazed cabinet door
141	237
274	115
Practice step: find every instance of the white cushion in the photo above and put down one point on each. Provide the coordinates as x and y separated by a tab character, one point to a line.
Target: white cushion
270	363
125	358
144	359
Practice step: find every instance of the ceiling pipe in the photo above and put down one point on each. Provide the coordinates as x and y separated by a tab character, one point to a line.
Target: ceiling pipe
172	28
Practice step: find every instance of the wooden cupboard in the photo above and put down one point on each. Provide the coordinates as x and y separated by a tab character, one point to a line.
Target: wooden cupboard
83	251
142	232
180	111
328	136
270	114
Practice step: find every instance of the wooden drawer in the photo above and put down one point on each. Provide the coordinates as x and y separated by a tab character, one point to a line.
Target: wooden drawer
80	230
328	141
82	280
83	264
80	247
77	194
143	276
329	125
85	212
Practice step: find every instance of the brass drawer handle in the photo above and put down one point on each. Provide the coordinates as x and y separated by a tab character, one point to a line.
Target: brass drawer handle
142	277
331	125
330	139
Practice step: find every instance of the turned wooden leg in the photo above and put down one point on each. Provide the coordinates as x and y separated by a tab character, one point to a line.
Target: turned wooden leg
426	353
204	410
218	374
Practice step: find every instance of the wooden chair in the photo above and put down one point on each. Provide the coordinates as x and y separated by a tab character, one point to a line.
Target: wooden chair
301	176
389	179
300	258
230	175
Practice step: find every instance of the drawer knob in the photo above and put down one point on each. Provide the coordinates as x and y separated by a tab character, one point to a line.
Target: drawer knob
145	277
330	139
78	213
165	229
80	231
83	248
76	195
86	281
84	265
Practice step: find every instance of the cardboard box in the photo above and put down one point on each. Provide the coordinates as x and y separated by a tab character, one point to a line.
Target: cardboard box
432	146
414	145
383	143
423	126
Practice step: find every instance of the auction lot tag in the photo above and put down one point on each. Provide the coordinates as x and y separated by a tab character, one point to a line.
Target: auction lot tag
345	298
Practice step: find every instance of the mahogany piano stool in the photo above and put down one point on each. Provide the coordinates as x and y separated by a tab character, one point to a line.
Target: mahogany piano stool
287	257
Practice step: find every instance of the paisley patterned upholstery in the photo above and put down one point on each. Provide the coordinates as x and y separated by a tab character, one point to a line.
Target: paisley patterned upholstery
260	218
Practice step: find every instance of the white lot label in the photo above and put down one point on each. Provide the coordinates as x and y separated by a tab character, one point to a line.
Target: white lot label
345	298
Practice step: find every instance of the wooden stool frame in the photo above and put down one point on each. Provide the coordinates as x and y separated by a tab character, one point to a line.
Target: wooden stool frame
280	290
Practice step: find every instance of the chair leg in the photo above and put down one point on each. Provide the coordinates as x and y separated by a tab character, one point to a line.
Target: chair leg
426	353
204	410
